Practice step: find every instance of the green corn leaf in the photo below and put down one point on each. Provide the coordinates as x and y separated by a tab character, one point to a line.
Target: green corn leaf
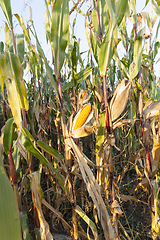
100	137
27	133
20	46
95	47
9	218
48	68
90	223
1	47
121	7
112	12
8	38
6	7
35	152
25	228
135	66
49	150
79	77
94	20
106	52
8	133
59	31
25	31
156	8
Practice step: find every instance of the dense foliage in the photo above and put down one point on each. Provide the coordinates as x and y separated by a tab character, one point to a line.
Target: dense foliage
80	137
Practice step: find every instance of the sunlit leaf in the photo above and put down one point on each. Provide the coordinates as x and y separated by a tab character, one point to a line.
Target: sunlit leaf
6	7
90	223
106	52
59	31
14	102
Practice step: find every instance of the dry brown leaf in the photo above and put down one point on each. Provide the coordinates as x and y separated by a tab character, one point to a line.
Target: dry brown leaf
123	122
144	183
128	197
94	191
44	227
116	208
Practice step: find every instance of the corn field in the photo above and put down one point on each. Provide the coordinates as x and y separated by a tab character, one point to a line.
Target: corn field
80	137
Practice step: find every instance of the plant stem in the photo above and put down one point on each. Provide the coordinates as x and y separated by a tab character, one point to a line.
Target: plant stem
106	106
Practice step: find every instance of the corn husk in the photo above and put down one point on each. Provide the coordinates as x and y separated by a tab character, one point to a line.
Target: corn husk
152	110
83	130
119	100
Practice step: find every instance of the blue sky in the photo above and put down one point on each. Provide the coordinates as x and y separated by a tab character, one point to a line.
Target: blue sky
38	8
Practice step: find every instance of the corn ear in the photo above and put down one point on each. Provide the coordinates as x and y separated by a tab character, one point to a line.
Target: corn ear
82	117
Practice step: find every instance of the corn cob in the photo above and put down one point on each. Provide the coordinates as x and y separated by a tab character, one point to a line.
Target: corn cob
82	117
83	94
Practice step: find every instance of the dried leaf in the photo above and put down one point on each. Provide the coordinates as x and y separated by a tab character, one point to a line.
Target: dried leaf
36	196
123	122
94	191
116	207
128	197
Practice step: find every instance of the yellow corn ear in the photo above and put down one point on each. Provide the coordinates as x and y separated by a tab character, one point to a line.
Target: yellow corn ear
83	94
82	117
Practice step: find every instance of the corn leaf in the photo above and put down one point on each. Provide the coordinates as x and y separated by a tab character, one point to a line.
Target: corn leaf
121	7
9	218
82	75
34	150
20	46
17	73
24	225
6	7
36	196
50	150
8	133
90	223
100	137
14	102
48	68
94	191
106	52
25	31
59	31
135	66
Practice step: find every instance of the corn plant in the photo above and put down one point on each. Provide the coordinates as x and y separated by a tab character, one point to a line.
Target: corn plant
76	130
